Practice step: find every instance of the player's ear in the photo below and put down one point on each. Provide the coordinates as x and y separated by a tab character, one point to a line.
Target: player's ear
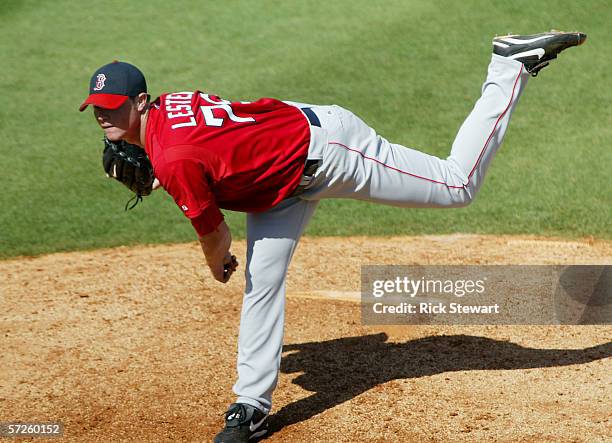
142	100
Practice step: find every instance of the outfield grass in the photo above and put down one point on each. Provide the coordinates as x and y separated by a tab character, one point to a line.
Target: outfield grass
412	69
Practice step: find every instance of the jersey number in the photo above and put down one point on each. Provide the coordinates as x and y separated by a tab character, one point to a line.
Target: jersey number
211	120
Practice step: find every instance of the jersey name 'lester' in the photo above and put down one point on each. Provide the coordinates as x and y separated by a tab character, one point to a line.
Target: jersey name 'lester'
178	106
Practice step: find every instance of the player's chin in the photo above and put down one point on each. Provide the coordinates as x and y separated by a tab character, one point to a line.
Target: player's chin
114	134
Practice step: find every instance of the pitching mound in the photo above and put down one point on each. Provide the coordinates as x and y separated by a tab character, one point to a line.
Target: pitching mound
139	344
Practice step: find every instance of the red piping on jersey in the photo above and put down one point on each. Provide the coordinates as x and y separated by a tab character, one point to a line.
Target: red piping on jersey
436	181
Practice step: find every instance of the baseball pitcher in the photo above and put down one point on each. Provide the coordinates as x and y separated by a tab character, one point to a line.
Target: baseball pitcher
275	160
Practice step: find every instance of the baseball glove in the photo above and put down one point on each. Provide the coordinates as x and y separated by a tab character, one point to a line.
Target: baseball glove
130	165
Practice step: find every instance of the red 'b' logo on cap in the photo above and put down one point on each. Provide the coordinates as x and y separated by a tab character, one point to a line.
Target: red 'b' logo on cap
100	79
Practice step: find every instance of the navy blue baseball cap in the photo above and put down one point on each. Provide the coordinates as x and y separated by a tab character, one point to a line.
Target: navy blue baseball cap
112	84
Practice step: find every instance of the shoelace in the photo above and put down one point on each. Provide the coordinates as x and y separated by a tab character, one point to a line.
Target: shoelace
239	409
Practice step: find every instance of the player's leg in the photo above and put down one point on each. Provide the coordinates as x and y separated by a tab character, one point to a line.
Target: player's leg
272	237
358	163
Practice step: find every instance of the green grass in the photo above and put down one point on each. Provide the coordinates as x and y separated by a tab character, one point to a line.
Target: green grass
412	69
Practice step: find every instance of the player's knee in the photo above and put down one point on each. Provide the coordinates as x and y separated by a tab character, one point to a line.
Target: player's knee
463	198
264	281
467	200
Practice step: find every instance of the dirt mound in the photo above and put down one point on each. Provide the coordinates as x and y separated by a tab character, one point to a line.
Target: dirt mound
138	344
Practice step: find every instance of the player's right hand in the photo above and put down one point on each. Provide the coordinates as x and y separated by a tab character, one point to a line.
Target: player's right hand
229	266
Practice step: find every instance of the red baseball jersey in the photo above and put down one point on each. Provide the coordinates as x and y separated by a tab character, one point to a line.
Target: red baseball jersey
209	153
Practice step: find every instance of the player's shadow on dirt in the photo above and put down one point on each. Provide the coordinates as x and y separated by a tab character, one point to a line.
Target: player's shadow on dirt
338	370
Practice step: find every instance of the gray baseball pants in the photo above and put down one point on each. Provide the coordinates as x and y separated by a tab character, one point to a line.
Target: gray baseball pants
357	163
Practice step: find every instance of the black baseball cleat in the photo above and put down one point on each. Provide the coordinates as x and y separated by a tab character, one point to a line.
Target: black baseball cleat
536	51
243	423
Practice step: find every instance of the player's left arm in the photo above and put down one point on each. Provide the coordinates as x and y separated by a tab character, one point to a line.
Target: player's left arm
216	248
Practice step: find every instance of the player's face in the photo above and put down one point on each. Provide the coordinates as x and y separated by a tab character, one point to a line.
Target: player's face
122	123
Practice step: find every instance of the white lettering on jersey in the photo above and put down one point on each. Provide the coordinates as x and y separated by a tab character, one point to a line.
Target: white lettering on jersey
185	96
211	120
210	100
177	102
